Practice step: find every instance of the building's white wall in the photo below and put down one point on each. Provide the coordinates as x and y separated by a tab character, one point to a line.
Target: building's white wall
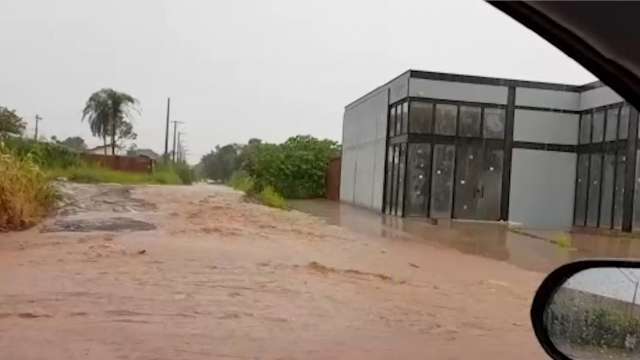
598	97
546	127
450	90
550	99
542	188
363	151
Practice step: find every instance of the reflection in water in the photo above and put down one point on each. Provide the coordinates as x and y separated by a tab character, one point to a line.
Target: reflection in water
594	315
529	249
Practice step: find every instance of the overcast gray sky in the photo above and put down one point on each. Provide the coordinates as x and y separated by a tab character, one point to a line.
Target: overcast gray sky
240	69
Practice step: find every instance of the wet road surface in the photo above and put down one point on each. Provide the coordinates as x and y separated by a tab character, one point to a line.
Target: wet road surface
177	272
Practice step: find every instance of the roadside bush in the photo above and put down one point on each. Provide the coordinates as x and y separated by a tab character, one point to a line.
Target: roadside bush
241	181
270	197
580	321
45	155
185	173
25	193
296	168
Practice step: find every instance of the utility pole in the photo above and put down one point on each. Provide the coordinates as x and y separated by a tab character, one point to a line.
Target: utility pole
175	127
38	119
166	134
180	146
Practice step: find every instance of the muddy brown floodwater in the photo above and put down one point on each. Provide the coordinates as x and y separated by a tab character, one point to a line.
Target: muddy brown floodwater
164	272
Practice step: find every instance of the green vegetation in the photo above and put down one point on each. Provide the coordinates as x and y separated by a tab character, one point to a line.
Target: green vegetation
96	174
25	193
74	143
10	122
107	111
185	173
45	155
591	320
59	161
294	169
270	197
241	181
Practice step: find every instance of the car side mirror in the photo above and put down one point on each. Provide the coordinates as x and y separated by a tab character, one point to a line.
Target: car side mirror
589	310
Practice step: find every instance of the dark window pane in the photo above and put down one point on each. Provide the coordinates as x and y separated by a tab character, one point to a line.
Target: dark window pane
612	124
618	192
442	178
467	180
491	185
389	181
398	119
394	182
418	171
405	117
469	121
445	119
401	166
623	129
606	202
598	127
585	128
494	123
594	190
392	121
421	120
582	186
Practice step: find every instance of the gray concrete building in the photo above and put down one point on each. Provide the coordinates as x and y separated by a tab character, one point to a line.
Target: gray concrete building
544	155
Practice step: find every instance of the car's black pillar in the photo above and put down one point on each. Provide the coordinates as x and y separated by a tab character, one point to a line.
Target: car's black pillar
630	171
508	148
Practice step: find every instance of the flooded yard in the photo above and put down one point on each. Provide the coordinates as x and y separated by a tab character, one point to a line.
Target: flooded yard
177	272
529	249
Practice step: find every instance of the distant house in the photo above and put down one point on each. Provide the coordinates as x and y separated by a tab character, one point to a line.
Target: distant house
100	150
148	153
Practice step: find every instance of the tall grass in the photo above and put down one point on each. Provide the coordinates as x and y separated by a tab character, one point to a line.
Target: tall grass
241	181
60	161
45	155
270	197
25	193
96	174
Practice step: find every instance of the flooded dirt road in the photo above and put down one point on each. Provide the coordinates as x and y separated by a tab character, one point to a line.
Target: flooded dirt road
162	272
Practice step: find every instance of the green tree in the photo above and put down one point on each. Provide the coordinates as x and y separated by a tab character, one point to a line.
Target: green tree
74	142
295	168
107	112
10	122
220	163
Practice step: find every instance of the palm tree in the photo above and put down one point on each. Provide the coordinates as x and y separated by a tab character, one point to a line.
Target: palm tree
106	111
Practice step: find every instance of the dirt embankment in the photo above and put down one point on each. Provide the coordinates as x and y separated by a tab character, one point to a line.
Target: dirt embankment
163	272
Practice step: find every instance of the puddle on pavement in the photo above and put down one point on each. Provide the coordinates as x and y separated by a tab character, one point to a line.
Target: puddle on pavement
87	225
535	250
